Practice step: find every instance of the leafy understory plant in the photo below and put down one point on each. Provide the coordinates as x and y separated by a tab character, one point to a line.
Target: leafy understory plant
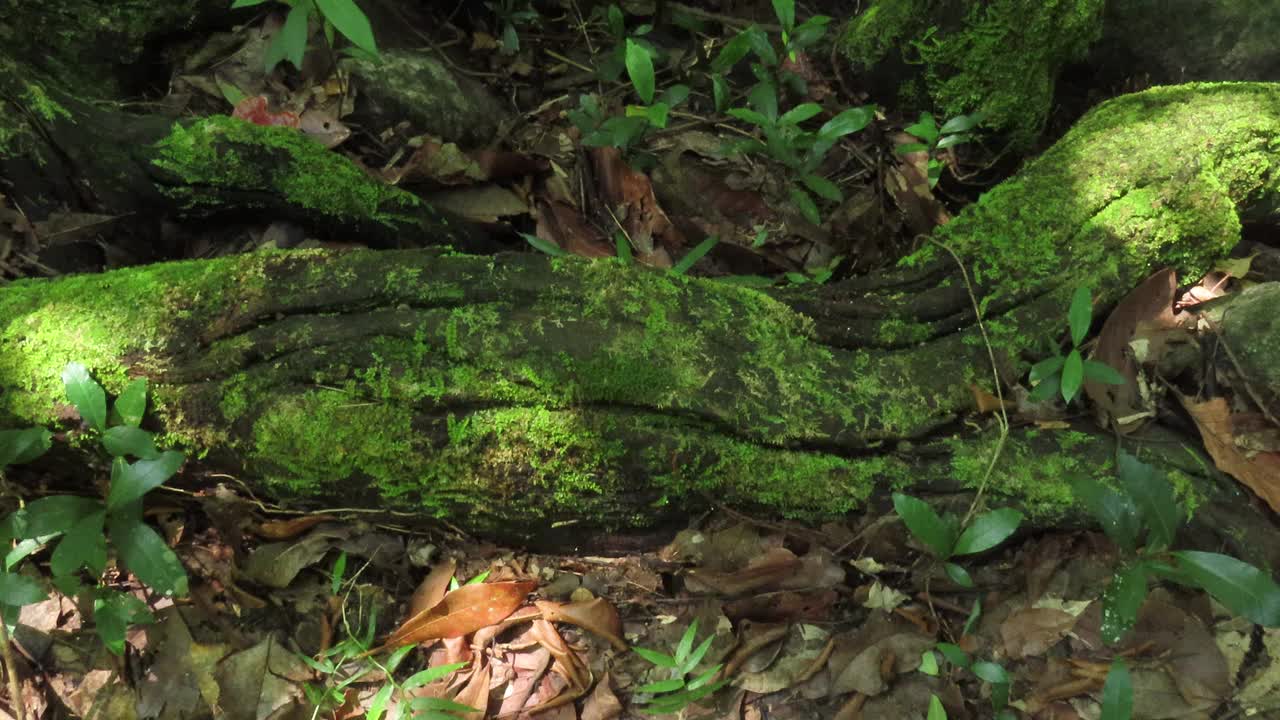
943	537
993	673
1142	516
510	14
342	16
83	531
600	130
1065	374
676	692
934	139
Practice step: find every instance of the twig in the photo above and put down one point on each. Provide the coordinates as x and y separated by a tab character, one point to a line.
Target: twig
11	669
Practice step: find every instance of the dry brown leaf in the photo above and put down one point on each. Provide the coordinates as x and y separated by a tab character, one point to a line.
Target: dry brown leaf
1261	473
602	704
629	194
462	612
769	569
1148	306
598	616
476	691
285	529
433	587
1029	632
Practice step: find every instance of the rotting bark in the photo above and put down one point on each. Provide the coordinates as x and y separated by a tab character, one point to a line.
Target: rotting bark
516	393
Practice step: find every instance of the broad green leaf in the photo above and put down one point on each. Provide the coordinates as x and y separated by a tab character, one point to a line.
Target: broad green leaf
674	95
351	21
622	248
18	590
733	51
656	114
785	11
245	3
993	673
822	187
617	23
926	525
1242	588
1121	601
52	515
1047	368
113	614
132	403
85	544
762	47
655	657
720	92
847	121
1072	375
128	440
929	663
1114	511
1047	389
1080	315
936	711
926	129
24	549
961	123
1157	508
662	686
1101	372
799	114
987	531
764	98
640	70
544	245
145	554
908	148
951	140
955	655
805	205
23	446
695	255
958	574
1117	693
86	394
748	115
809	32
380	699
290	42
134	481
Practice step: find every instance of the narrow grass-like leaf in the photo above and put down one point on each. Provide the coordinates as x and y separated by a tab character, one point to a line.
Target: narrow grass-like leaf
655	657
430	675
685	646
695	255
544	245
662	686
805	205
822	187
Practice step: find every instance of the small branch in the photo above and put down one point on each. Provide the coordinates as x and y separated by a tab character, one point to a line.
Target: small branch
11	670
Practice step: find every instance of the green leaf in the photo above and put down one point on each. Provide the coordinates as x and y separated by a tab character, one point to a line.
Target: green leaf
662	686
974	615
1103	373
993	673
440	704
113	614
961	123
847	121
128	440
955	655
987	531
936	711
692	661
655	657
18	590
706	677
1072	375
23	446
1158	510
1121	601
926	525
379	703
86	394
640	70
747	115
809	32
290	42
1046	390
337	573
720	92
729	55
1114	511
822	187
799	114
131	482
350	20
685	646
951	140
1047	368
674	95
1242	588
762	47
1080	315
805	205
908	148
85	543
929	663
132	403
926	129
145	554
1117	693
245	3
695	255
52	515
622	248
764	98
958	574
544	245
785	10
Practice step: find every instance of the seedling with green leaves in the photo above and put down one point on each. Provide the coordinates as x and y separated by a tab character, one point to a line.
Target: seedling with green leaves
994	674
1065	374
83	530
934	139
676	692
943	537
512	14
769	66
341	16
599	129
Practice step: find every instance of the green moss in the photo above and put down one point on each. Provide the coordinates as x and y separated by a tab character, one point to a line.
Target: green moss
42	105
208	155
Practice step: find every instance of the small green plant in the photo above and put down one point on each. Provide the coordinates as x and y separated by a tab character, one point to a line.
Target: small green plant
934	139
342	16
769	66
676	692
1141	516
819	276
615	58
992	673
1066	374
600	130
942	535
83	531
512	14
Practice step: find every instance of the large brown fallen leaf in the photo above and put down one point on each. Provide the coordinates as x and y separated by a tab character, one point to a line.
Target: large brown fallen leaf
1261	473
462	612
433	587
598	616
